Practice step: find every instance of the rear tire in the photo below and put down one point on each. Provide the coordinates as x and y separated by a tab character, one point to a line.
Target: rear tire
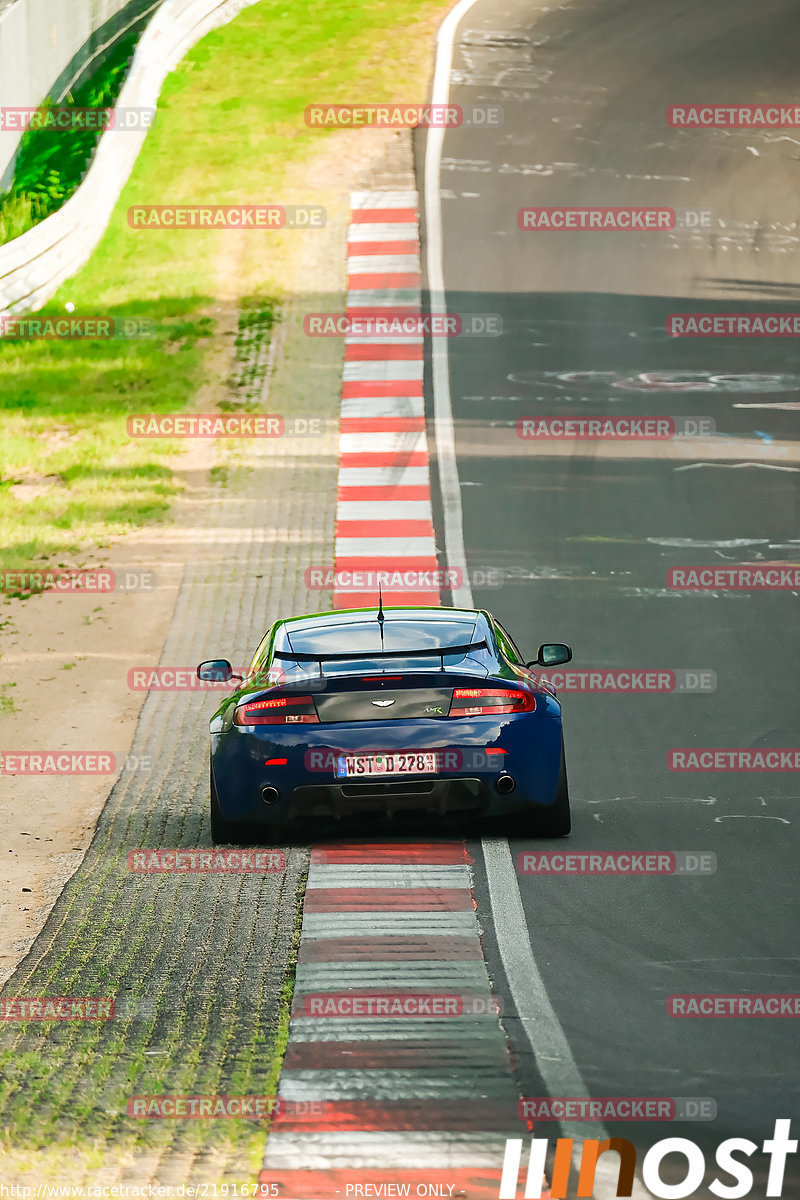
554	821
221	830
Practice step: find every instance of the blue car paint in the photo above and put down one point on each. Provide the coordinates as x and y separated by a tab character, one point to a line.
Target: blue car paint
532	743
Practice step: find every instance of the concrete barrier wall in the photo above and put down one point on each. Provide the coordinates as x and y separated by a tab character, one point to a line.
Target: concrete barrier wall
34	265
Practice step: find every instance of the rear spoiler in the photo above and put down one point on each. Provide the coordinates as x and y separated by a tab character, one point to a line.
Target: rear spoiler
355	655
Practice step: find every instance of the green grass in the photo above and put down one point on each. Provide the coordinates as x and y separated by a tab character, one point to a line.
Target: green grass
62	432
230	127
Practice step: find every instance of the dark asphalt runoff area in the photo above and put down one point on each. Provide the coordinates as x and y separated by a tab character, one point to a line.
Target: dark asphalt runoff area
586	533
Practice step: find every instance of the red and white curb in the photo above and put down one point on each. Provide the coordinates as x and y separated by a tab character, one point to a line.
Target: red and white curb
374	1103
426	1101
384	520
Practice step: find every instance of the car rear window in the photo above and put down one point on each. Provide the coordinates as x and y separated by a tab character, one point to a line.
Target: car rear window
366	635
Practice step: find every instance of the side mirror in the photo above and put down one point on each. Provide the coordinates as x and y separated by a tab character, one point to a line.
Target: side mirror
216	670
552	654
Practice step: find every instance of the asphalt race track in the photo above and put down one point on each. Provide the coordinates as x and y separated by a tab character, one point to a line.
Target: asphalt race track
583	533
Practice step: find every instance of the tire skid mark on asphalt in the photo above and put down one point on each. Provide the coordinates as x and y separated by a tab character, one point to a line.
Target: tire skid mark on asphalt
367	1095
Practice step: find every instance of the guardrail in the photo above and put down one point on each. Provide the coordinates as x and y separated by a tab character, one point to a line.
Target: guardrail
34	265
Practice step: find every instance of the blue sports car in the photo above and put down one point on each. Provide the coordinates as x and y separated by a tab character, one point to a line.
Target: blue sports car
395	711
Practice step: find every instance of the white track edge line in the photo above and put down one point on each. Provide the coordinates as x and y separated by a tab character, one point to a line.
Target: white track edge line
554	1058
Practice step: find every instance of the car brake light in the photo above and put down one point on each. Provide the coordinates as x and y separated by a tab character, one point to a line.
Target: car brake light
283	710
474	702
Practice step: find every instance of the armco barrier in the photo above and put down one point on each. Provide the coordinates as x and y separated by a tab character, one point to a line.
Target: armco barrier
34	265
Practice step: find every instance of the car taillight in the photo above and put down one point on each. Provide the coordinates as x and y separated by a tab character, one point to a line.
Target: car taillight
474	702
283	710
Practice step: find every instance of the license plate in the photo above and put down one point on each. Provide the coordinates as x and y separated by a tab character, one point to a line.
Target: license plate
361	765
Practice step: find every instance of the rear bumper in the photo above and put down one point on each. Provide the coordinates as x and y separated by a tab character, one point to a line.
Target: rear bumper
474	754
420	795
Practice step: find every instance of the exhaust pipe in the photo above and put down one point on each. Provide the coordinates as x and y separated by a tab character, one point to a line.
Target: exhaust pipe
505	784
270	795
